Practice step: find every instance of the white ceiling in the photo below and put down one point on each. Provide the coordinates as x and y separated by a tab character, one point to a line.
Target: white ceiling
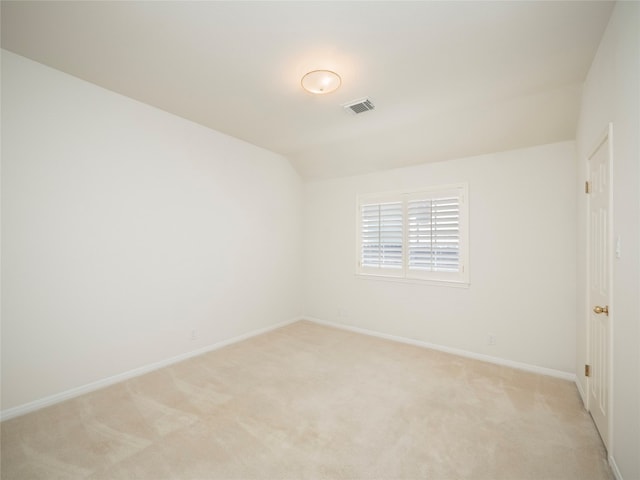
448	79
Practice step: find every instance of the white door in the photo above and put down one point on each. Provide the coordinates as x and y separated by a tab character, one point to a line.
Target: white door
599	284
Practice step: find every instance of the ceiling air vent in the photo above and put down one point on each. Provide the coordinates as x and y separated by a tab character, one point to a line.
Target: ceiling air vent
359	106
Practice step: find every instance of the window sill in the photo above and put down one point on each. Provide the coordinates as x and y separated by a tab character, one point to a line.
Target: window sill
413	281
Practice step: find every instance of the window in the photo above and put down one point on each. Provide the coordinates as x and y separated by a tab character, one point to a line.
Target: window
417	235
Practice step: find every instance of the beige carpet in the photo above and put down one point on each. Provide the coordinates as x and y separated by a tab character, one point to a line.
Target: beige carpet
308	401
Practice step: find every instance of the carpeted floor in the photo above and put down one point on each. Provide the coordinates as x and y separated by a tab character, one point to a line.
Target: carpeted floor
312	402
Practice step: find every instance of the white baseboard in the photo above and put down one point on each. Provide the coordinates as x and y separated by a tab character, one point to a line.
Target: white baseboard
583	394
75	392
614	468
455	351
105	382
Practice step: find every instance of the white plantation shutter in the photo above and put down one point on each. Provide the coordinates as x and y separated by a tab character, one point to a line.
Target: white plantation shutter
434	234
381	233
418	235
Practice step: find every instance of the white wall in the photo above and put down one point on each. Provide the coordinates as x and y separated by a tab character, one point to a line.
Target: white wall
124	228
522	259
612	94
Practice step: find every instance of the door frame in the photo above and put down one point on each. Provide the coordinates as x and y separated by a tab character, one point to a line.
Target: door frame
607	134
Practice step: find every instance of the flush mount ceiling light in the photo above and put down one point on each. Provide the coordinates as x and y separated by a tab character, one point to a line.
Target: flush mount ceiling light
321	81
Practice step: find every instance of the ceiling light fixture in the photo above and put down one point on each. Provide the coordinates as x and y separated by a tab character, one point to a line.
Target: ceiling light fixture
321	81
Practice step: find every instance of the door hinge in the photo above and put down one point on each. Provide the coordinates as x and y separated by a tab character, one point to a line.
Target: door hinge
587	370
587	187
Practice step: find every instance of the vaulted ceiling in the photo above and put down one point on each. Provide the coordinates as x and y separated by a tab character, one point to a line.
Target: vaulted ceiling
448	79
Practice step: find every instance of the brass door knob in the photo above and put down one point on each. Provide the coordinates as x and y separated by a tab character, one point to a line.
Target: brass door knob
598	309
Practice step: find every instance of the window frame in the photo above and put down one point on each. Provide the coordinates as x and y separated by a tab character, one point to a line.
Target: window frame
459	278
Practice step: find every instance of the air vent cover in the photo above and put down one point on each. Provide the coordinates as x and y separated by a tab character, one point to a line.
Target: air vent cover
359	106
